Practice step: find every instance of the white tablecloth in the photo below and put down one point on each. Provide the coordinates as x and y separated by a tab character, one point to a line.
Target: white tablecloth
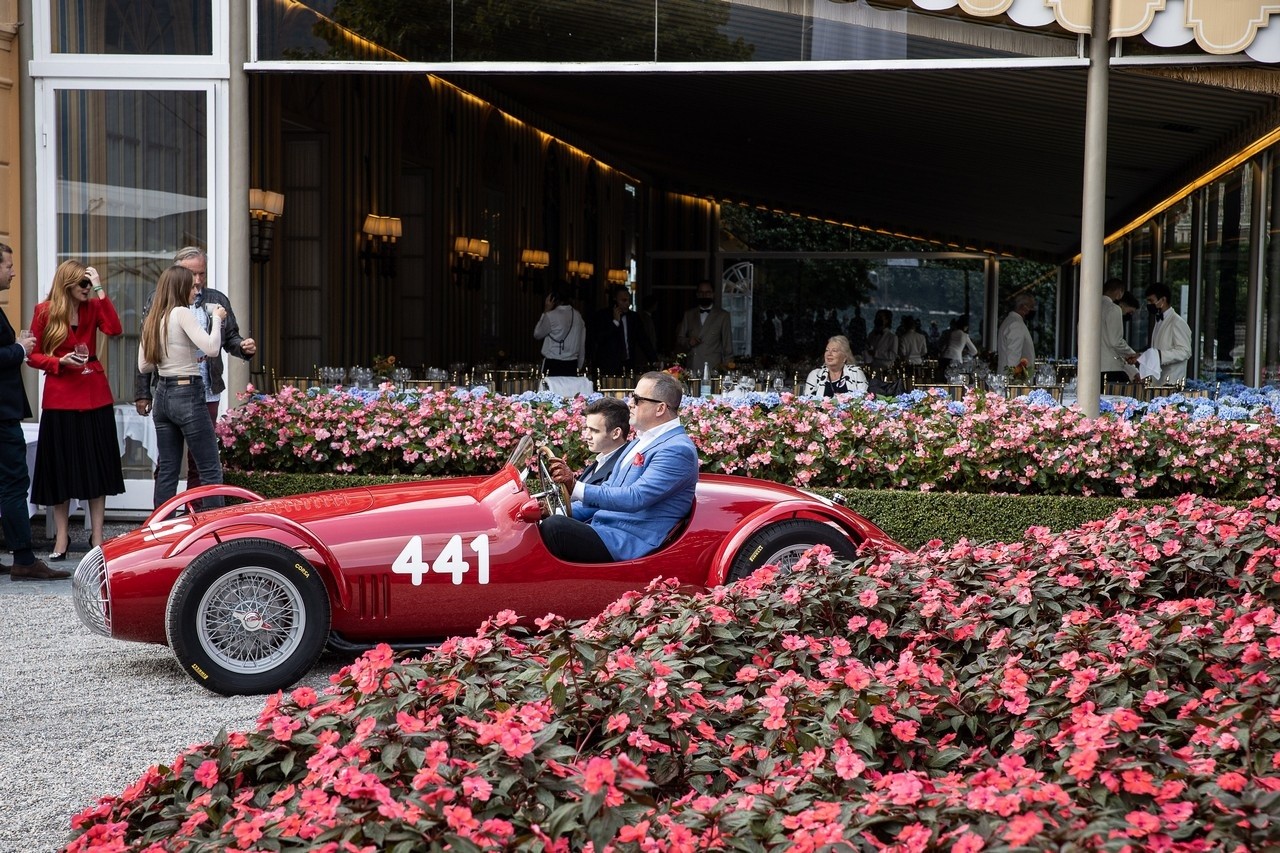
130	426
139	428
567	386
31	432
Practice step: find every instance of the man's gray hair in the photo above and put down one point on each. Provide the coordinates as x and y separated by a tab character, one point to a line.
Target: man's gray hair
666	388
1024	300
186	253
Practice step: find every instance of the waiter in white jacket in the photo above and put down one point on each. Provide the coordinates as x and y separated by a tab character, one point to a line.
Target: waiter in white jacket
1170	336
1116	351
1013	338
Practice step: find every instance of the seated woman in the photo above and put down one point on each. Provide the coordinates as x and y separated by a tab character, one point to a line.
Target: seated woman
838	375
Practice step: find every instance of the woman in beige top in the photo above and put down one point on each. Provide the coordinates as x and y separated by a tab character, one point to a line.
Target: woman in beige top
173	343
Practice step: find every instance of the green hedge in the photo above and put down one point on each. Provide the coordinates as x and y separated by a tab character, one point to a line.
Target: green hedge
912	518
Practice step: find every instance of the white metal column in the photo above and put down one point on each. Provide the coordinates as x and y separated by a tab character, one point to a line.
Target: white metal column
1093	252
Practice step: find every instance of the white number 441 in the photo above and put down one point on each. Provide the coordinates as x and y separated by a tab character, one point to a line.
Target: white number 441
449	562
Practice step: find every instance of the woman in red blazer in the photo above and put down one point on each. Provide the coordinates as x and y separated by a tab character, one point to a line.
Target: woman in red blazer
77	454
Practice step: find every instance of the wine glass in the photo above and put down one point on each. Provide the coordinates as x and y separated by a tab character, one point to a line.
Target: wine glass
82	352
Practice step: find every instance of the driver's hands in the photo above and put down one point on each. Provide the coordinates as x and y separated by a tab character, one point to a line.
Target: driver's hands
561	473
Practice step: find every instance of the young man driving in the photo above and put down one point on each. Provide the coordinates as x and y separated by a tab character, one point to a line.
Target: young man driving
649	492
608	425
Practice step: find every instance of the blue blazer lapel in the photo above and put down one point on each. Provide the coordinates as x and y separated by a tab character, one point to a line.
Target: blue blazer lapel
626	468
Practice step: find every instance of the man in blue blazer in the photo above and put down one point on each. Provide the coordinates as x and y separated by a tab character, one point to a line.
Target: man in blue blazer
649	493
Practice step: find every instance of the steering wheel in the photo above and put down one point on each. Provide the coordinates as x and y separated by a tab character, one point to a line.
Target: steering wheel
556	494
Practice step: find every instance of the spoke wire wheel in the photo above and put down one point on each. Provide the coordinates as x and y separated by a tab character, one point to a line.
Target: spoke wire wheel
248	616
786	557
250	620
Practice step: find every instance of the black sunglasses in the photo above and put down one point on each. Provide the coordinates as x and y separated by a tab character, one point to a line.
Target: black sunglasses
640	399
84	284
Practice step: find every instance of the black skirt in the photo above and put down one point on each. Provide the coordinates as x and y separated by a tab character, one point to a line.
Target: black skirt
77	456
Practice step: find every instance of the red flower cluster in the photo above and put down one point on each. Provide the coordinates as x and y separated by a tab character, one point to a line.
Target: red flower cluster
1111	688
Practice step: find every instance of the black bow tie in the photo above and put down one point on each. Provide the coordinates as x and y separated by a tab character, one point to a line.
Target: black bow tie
705	310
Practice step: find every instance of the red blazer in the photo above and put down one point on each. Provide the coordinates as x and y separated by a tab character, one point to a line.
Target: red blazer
68	387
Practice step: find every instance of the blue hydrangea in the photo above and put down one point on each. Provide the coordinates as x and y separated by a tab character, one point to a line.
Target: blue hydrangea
1040	397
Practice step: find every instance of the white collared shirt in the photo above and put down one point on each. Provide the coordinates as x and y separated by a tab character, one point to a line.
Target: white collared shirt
602	458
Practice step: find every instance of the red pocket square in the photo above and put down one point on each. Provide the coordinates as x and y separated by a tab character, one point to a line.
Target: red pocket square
639	460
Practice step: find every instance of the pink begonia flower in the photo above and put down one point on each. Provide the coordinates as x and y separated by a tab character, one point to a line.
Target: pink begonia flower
968	842
476	788
1232	781
599	773
1154	698
1142	823
905	730
207	773
1022	829
904	789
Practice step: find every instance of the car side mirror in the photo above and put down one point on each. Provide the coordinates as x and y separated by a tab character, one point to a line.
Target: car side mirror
530	511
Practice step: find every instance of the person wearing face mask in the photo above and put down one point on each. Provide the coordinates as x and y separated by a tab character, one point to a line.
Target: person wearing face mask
706	332
1170	335
1014	344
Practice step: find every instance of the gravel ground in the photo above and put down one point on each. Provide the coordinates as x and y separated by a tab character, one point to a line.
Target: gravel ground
83	716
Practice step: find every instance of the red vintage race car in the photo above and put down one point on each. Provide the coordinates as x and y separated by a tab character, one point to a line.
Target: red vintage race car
247	596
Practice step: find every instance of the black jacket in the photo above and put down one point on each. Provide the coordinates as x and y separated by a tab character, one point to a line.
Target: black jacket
13	396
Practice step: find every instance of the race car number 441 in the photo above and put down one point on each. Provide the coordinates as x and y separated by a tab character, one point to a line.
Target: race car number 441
449	562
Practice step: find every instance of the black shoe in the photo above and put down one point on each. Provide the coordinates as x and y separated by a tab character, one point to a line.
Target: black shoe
55	557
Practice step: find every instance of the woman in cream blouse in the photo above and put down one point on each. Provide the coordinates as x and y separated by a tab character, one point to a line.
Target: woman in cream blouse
173	341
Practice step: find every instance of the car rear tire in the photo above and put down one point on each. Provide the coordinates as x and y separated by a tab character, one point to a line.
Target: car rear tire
248	616
782	543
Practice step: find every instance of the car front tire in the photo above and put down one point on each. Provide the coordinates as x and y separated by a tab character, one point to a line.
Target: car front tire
248	616
782	544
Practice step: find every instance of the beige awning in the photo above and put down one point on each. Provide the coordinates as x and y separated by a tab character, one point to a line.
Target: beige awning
1216	26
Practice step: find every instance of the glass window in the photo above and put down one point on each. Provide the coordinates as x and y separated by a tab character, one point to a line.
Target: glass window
1140	260
1269	346
629	31
1221	332
132	189
132	27
797	304
1177	235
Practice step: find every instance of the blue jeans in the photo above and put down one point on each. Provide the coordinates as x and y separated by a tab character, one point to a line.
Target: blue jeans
181	416
15	513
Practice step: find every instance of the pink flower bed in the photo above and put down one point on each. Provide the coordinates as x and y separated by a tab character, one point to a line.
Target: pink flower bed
1112	688
986	444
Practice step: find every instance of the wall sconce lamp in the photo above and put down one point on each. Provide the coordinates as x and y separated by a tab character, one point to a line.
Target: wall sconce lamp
580	269
471	252
533	261
617	277
264	207
381	233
